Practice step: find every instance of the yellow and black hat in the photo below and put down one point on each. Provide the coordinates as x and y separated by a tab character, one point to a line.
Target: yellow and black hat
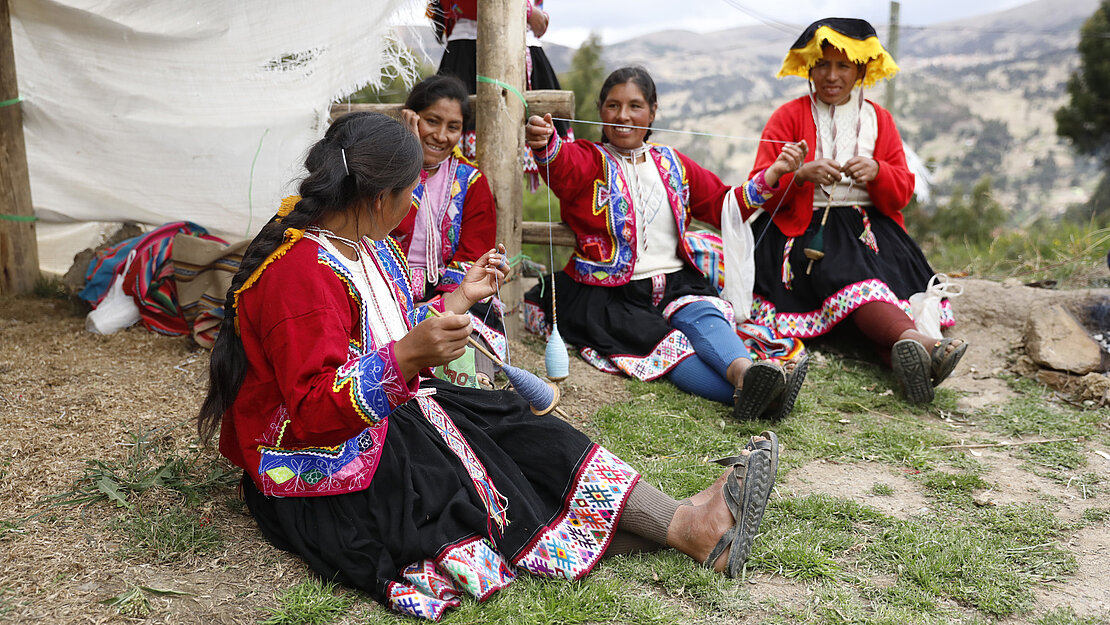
855	37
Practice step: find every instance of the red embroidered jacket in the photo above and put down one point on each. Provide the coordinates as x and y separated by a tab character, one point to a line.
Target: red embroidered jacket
890	191
469	225
313	408
594	200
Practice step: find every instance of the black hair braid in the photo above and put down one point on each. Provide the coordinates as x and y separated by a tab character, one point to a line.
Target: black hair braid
381	155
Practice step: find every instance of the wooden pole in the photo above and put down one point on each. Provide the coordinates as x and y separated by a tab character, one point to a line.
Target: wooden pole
892	48
500	126
19	252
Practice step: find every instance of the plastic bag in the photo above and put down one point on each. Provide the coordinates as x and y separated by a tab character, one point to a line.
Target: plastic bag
739	255
117	310
925	306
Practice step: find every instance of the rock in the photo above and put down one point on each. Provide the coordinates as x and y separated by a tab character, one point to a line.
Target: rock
1094	387
74	279
1055	339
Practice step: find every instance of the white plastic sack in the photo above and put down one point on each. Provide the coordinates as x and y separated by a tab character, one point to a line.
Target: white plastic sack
739	244
117	310
925	306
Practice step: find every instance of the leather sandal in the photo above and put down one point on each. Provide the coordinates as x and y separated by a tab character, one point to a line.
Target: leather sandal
746	491
770	444
914	371
763	383
942	361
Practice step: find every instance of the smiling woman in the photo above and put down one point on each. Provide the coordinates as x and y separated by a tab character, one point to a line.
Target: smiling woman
839	214
451	219
631	295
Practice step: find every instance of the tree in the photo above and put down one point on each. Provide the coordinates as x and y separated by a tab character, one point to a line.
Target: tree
1085	119
587	73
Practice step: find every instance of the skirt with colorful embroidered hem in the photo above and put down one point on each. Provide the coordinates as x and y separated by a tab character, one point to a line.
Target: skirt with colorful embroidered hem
420	535
868	258
623	329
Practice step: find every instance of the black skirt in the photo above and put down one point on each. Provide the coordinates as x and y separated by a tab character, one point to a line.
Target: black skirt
867	259
623	324
423	530
460	60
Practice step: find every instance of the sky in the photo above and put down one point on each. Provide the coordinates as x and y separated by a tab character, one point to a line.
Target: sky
617	20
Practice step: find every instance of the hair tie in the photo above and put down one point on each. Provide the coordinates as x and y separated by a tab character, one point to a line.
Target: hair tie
343	153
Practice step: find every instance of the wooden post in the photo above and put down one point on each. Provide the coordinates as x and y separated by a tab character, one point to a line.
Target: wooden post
892	48
500	126
19	252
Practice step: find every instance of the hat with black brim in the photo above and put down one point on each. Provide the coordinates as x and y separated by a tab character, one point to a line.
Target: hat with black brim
855	37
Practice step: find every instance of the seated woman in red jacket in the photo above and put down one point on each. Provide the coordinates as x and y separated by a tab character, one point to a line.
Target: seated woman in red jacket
846	201
412	489
452	221
631	293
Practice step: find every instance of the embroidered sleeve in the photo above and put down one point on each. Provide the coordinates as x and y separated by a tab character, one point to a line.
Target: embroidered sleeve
756	191
548	154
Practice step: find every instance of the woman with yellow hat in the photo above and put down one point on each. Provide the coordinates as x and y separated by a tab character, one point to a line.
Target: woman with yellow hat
835	245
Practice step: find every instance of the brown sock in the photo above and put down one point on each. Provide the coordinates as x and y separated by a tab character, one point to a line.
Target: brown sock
648	513
626	542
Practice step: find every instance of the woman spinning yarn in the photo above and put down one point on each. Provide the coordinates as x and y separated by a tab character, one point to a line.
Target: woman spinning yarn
411	488
631	292
837	248
453	220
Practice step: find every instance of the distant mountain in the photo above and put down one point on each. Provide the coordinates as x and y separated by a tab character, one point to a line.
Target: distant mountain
975	97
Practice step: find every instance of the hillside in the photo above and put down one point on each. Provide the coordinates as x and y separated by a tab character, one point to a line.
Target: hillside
975	97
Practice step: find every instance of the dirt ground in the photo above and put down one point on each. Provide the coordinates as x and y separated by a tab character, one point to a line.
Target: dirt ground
67	396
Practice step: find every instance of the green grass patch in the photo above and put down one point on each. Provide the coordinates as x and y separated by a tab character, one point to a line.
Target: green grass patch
148	465
1034	413
310	602
167	537
1067	616
1092	516
882	490
953	488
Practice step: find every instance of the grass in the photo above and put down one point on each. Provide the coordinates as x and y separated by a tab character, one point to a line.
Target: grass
310	602
952	561
1071	254
166	536
148	465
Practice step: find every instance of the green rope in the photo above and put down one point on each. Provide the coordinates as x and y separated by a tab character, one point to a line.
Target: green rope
504	85
19	217
15	100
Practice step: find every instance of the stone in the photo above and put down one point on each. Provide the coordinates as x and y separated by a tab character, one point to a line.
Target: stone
1055	339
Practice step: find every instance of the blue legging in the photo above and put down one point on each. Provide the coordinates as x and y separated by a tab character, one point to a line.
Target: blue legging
715	344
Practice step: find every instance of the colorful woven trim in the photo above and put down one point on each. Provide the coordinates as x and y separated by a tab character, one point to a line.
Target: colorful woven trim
573	544
864	50
432	586
834	309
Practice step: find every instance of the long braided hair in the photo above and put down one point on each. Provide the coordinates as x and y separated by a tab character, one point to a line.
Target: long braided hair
362	156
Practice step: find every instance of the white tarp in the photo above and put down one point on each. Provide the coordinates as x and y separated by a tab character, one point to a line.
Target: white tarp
162	110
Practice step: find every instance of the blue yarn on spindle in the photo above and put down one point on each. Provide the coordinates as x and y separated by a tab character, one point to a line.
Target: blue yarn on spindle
555	356
529	386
